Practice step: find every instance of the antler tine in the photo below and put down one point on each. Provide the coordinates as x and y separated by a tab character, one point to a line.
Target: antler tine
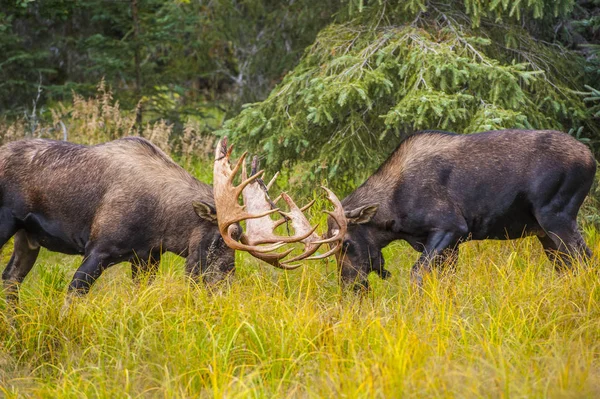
272	181
244	174
237	166
221	149
253	175
305	207
337	214
327	254
273	259
308	251
240	188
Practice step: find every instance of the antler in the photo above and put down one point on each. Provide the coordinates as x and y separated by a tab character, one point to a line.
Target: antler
340	219
229	211
256	210
261	230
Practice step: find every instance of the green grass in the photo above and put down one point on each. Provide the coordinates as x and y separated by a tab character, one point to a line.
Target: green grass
505	325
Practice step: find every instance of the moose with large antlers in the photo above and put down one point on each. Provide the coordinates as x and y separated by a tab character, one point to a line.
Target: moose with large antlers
124	200
439	189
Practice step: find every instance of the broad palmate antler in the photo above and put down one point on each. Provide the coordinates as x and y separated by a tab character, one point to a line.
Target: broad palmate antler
260	239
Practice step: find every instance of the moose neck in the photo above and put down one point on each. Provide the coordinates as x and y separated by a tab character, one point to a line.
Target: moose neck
380	189
180	221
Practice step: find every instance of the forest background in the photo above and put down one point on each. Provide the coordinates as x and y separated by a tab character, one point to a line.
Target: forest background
321	89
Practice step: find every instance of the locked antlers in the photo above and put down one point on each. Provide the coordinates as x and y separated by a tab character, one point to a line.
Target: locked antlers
260	239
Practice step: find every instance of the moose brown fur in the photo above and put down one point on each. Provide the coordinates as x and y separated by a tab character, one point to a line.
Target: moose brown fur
439	189
124	200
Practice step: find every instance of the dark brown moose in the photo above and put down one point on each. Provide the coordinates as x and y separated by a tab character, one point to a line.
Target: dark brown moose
124	200
438	189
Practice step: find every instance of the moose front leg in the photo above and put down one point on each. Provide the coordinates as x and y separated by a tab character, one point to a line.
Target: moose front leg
441	247
24	255
192	266
145	266
98	257
95	262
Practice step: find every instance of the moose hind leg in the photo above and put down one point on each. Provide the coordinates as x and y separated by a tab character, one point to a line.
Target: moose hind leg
563	241
557	258
550	248
19	265
556	212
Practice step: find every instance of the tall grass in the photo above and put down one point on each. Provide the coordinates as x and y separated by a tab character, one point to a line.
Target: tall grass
505	325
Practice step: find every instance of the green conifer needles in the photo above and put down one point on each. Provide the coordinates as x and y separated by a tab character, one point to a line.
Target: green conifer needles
358	90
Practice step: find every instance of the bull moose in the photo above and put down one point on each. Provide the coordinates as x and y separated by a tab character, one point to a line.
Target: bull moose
438	189
124	200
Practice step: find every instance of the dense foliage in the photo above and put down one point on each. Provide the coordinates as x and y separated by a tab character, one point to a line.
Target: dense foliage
176	57
396	67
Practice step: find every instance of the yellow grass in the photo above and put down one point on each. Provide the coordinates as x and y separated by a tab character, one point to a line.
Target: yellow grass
505	325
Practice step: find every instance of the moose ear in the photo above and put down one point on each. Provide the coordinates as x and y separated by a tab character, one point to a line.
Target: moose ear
361	215
206	211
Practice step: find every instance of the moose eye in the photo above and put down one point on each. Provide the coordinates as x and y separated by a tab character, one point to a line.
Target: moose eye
347	246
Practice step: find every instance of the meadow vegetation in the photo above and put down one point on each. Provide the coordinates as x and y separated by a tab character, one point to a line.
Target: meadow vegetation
504	325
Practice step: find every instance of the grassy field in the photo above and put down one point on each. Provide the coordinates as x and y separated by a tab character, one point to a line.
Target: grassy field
506	325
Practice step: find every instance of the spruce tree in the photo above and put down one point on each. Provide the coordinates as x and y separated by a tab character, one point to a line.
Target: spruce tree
388	68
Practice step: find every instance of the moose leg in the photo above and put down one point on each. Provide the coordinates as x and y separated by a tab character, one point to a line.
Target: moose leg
550	248
193	265
438	242
563	240
147	266
575	249
587	252
19	265
89	271
557	216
